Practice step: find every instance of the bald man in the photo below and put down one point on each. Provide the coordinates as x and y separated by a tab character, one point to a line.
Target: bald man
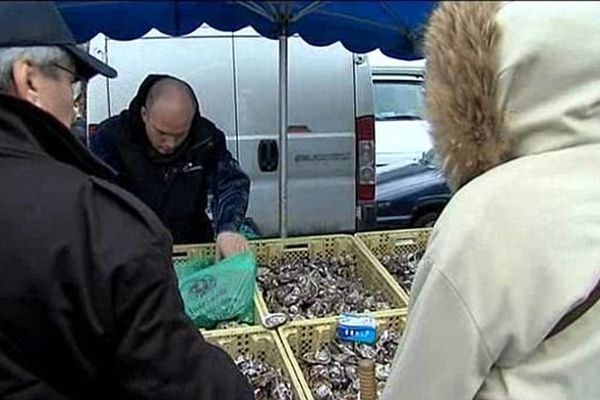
171	157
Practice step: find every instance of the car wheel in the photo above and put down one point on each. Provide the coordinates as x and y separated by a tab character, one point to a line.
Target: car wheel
426	220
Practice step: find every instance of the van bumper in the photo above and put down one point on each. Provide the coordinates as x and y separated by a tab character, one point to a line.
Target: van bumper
367	217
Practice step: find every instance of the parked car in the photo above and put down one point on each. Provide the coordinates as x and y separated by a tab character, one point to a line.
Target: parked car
331	151
401	132
412	195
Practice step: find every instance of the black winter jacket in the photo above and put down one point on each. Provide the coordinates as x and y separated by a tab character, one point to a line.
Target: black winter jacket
176	186
89	306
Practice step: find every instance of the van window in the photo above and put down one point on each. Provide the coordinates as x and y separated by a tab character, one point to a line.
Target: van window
399	100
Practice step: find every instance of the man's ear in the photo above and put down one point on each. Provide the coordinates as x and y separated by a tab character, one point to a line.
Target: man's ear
26	81
144	112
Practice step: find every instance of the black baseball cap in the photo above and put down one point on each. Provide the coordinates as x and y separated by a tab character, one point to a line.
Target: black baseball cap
38	23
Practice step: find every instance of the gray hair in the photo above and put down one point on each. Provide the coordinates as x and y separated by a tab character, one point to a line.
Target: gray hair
42	56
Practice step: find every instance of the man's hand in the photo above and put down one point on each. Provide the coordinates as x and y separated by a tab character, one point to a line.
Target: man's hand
230	243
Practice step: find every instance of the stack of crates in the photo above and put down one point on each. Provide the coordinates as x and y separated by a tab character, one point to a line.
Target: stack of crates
281	348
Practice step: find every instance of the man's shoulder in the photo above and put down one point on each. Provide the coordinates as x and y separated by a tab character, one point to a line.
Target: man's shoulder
61	195
111	126
207	128
109	135
207	139
121	202
116	211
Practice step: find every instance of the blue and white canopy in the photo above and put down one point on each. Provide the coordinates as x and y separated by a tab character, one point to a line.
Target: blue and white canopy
361	26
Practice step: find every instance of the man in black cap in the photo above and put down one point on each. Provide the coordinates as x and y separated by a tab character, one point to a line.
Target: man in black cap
89	306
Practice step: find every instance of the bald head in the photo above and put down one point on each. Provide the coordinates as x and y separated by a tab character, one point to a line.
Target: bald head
168	89
168	114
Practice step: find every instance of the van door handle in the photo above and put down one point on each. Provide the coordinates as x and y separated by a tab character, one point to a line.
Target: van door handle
298	129
268	155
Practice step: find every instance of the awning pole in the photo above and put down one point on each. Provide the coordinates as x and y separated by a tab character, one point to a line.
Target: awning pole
283	123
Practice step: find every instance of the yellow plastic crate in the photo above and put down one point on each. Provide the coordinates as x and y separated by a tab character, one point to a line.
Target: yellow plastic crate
182	252
405	242
301	337
263	344
323	248
315	248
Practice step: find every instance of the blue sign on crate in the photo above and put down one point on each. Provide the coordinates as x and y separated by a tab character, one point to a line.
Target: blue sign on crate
357	328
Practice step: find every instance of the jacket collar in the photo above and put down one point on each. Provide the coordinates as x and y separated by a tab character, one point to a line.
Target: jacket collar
461	51
25	128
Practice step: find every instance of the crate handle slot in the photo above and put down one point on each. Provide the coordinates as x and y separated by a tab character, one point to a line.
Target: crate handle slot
295	247
404	242
183	253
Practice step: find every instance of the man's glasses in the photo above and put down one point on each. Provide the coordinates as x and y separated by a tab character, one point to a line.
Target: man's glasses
78	79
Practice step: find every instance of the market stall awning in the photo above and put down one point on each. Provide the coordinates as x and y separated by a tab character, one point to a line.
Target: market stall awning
362	26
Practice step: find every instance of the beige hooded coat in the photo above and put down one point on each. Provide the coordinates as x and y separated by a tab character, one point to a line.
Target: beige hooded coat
514	102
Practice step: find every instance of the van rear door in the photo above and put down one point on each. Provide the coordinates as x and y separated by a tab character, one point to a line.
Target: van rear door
321	141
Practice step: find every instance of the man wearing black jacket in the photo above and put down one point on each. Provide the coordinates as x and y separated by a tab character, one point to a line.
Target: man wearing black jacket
171	157
89	306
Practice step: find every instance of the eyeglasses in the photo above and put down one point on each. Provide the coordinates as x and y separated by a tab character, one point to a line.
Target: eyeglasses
78	78
76	84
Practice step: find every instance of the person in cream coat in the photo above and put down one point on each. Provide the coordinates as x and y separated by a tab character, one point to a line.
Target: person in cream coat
504	302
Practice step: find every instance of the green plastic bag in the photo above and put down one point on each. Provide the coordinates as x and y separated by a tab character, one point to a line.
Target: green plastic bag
184	268
219	292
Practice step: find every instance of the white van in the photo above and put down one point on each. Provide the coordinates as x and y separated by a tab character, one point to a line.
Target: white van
401	132
331	172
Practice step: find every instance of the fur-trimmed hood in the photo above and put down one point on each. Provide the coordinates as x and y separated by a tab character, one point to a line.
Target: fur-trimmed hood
511	79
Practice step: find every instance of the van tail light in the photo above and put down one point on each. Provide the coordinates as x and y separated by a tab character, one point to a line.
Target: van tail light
365	133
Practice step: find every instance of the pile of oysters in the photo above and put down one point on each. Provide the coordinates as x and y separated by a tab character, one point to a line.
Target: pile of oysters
315	289
332	371
268	383
403	267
